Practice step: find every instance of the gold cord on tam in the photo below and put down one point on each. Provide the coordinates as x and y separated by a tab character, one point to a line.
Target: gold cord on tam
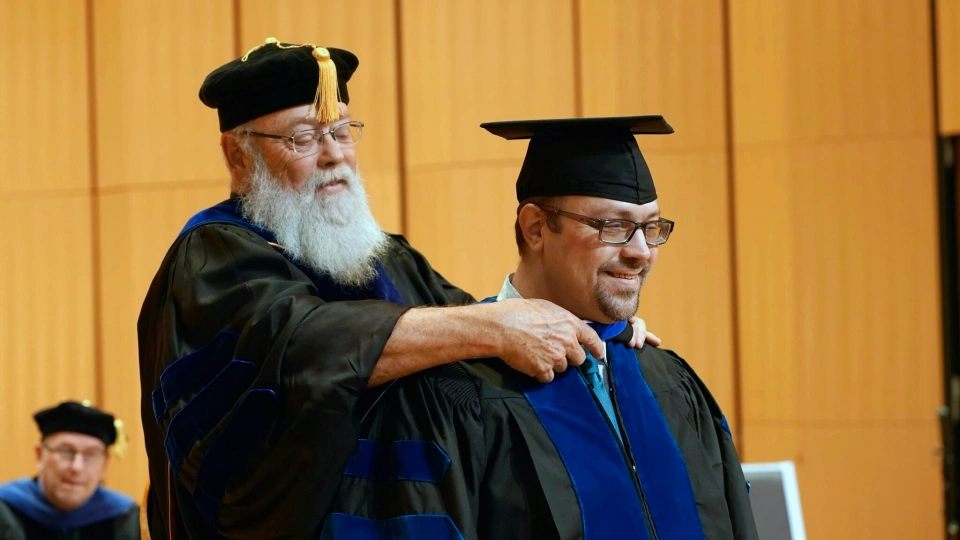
120	446
327	99
268	41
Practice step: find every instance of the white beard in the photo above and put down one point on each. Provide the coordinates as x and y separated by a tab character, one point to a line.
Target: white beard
332	233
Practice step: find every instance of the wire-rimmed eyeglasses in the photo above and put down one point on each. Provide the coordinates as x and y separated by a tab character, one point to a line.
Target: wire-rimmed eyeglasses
307	141
621	231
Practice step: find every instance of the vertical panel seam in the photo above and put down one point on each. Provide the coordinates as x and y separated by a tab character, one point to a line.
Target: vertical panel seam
935	72
401	118
732	227
95	270
237	26
577	61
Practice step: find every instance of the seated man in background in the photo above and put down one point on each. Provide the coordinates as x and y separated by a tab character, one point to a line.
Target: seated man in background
65	499
627	446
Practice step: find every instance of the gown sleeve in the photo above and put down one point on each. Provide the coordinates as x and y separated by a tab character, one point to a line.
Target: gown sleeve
418	469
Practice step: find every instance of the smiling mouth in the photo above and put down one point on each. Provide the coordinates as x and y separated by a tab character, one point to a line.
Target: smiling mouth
332	187
622	276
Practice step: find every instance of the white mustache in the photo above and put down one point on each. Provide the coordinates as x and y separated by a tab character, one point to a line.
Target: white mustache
341	173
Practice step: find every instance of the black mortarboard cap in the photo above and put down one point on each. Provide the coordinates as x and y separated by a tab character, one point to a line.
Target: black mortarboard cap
79	418
276	76
596	157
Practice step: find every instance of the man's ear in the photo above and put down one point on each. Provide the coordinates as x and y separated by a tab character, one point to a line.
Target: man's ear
237	160
532	222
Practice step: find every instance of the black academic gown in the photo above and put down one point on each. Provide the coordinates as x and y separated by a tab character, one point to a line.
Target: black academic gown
26	515
459	452
251	382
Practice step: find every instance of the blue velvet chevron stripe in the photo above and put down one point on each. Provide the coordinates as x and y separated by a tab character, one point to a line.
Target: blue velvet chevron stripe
591	454
660	465
202	413
381	288
186	374
253	418
411	527
414	460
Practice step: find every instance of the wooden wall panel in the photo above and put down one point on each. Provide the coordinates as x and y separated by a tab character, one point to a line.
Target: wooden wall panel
46	303
821	69
662	57
43	83
463	220
849	488
818	271
657	57
948	64
159	162
368	29
837	258
151	57
465	63
46	308
136	231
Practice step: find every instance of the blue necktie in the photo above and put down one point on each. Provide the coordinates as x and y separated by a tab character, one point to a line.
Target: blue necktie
591	372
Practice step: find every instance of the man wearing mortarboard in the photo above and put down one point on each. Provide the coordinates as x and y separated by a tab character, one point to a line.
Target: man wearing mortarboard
274	311
630	444
65	501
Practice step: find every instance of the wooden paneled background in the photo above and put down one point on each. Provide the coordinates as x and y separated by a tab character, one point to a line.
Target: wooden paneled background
840	359
802	282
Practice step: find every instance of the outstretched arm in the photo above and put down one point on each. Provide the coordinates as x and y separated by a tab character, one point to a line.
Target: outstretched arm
535	337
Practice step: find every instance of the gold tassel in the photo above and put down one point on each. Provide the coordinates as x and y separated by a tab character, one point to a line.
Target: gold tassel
120	446
327	100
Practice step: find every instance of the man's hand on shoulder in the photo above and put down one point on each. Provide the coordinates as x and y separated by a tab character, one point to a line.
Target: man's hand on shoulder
538	338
